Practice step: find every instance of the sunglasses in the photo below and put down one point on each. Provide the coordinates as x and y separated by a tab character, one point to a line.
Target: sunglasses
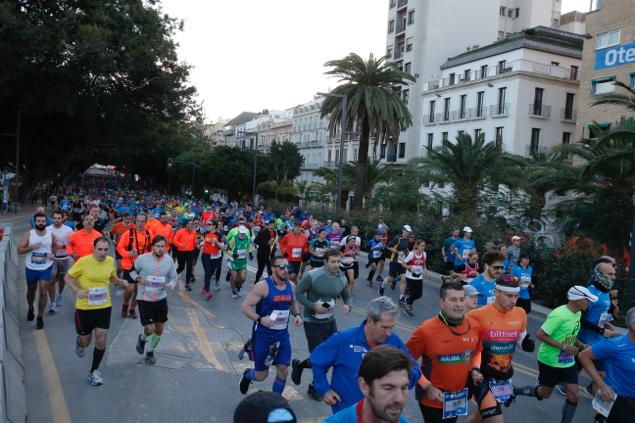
283	266
497	267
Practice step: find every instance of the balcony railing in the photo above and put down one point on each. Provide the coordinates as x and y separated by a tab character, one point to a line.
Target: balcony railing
476	113
401	27
568	115
429	120
540	149
501	109
539	111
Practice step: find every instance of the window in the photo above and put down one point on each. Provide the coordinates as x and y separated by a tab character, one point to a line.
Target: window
537	107
431	110
392	3
446	109
607	39
408	67
430	141
516	12
405	96
389	51
466	75
503	11
411	17
337	155
535	139
409	43
391	26
502	66
603	85
477	133
499	136
382	151
462	106
595	129
480	97
568	106
452	78
484	71
329	156
510	12
632	83
566	138
402	150
574	73
555	63
502	94
444	136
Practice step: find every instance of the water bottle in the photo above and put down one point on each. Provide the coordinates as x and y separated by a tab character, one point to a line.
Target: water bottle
271	354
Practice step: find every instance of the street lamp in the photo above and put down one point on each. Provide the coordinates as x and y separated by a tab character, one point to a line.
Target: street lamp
338	198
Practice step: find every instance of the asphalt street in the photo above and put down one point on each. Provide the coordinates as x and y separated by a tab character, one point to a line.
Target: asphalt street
196	376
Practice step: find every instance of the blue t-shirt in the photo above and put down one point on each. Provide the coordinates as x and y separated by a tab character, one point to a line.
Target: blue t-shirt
597	313
524	275
463	248
619	363
486	288
376	249
447	244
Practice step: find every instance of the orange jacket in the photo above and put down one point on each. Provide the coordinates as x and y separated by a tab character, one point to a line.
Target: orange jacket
185	240
81	243
140	242
293	246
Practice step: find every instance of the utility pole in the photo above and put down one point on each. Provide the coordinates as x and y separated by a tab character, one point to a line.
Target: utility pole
17	162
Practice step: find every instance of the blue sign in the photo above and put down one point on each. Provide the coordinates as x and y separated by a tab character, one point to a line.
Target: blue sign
615	56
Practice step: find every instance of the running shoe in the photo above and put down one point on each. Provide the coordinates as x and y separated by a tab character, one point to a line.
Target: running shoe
30	315
52	308
381	289
408	312
402	301
39	322
95	378
141	345
379	279
393	284
234	295
296	371
244	382
216	286
188	287
561	390
150	358
58	300
204	292
238	294
79	350
228	276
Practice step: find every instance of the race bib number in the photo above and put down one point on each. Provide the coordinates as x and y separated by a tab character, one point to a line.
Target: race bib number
490	300
38	258
329	310
502	390
280	319
97	296
416	270
525	281
334	244
565	358
296	252
377	253
346	261
155	283
319	252
466	253
601	406
241	254
455	404
604	317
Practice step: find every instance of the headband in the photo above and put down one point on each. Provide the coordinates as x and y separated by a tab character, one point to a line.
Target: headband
508	289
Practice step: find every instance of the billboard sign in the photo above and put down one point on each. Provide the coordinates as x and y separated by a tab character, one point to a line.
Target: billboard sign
615	56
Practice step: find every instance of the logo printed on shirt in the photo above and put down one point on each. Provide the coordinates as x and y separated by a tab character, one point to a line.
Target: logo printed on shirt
281	298
455	358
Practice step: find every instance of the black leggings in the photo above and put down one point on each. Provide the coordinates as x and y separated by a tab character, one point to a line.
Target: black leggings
415	290
186	261
211	267
434	415
263	261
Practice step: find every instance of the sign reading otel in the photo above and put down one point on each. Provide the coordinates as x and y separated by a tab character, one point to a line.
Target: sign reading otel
615	56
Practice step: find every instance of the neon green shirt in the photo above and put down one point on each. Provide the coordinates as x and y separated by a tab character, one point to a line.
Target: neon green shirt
562	325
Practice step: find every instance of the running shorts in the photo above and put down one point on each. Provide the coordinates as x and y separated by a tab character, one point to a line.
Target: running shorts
261	343
295	267
396	269
316	333
88	320
62	265
153	311
550	376
33	276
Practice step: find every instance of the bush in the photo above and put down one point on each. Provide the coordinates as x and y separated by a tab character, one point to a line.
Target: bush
555	273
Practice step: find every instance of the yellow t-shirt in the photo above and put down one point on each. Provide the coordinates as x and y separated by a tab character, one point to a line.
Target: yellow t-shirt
93	276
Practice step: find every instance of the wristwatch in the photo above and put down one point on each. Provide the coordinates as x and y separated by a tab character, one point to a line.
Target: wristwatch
258	319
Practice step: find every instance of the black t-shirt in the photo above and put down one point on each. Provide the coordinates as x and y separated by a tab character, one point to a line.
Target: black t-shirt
401	244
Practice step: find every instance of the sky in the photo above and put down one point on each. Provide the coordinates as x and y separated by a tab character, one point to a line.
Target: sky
250	55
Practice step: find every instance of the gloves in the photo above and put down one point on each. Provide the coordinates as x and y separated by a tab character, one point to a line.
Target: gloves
251	256
528	344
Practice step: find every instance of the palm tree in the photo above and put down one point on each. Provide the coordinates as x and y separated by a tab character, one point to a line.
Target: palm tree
376	173
625	100
374	107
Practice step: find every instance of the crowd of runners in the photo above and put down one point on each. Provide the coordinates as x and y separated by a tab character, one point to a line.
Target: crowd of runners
148	243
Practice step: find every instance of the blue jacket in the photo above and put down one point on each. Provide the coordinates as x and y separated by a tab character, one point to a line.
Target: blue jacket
344	352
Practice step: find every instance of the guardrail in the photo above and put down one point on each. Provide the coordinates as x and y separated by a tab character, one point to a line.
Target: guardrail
12	390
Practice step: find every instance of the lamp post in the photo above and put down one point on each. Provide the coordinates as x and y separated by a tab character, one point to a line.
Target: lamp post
338	198
255	170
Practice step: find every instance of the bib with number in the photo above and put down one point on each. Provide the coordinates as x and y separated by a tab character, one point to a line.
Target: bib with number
525	281
319	252
604	317
455	404
155	283
565	358
241	254
329	311
38	258
502	390
296	252
416	270
466	253
97	296
377	253
280	319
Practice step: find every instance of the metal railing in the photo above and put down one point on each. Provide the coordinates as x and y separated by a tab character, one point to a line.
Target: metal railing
568	114
539	110
501	109
429	120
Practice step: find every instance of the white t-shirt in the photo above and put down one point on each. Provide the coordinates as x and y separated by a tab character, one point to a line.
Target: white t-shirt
62	235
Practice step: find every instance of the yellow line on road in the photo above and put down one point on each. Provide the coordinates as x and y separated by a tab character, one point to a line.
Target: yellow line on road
186	297
59	407
202	343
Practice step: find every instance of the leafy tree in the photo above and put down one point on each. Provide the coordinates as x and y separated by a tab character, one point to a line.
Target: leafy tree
374	107
285	161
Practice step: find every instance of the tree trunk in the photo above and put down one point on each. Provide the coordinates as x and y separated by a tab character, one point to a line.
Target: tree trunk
362	166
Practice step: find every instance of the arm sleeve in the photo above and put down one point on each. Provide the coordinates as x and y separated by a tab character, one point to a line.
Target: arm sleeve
301	290
322	359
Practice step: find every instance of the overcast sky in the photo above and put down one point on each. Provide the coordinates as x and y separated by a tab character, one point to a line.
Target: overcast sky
250	55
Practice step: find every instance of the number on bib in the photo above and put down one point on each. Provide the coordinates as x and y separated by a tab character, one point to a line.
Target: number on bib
97	296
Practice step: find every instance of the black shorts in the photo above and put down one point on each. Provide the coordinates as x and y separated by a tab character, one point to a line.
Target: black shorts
88	320
295	267
316	333
151	312
434	415
551	376
396	269
354	266
622	411
127	277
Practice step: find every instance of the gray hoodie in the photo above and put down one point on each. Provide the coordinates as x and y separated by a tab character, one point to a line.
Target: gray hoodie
322	286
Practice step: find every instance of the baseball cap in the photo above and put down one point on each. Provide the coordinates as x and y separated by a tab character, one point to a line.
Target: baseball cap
407	228
264	407
578	292
243	230
516	237
467	229
470	291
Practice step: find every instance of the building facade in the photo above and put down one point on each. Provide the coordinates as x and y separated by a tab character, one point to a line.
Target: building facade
310	134
422	34
520	92
608	56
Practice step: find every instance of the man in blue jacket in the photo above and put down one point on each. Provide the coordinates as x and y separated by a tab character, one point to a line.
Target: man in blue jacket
344	351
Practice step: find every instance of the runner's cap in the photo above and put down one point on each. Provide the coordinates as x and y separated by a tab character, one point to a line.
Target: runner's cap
578	292
516	237
407	228
243	230
467	229
470	291
264	407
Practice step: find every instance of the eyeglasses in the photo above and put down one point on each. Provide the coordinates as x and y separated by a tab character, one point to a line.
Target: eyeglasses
497	267
283	266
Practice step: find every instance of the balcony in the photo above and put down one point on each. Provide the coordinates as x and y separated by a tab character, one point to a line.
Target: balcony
568	115
402	3
308	144
539	111
499	110
540	149
401	27
429	120
476	113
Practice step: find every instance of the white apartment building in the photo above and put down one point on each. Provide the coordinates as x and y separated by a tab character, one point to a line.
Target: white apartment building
310	134
520	92
260	131
422	34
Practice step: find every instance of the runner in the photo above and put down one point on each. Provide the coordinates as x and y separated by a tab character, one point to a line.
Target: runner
265	242
162	227
81	242
90	279
450	347
523	271
503	327
446	250
237	248
556	355
153	272
385	237
293	246
466	272
212	258
399	247
348	260
317	292
61	262
415	265
310	229
376	249
184	242
383	381
485	283
117	230
273	299
343	353
334	237
40	244
462	247
471	297
618	356
318	248
513	254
